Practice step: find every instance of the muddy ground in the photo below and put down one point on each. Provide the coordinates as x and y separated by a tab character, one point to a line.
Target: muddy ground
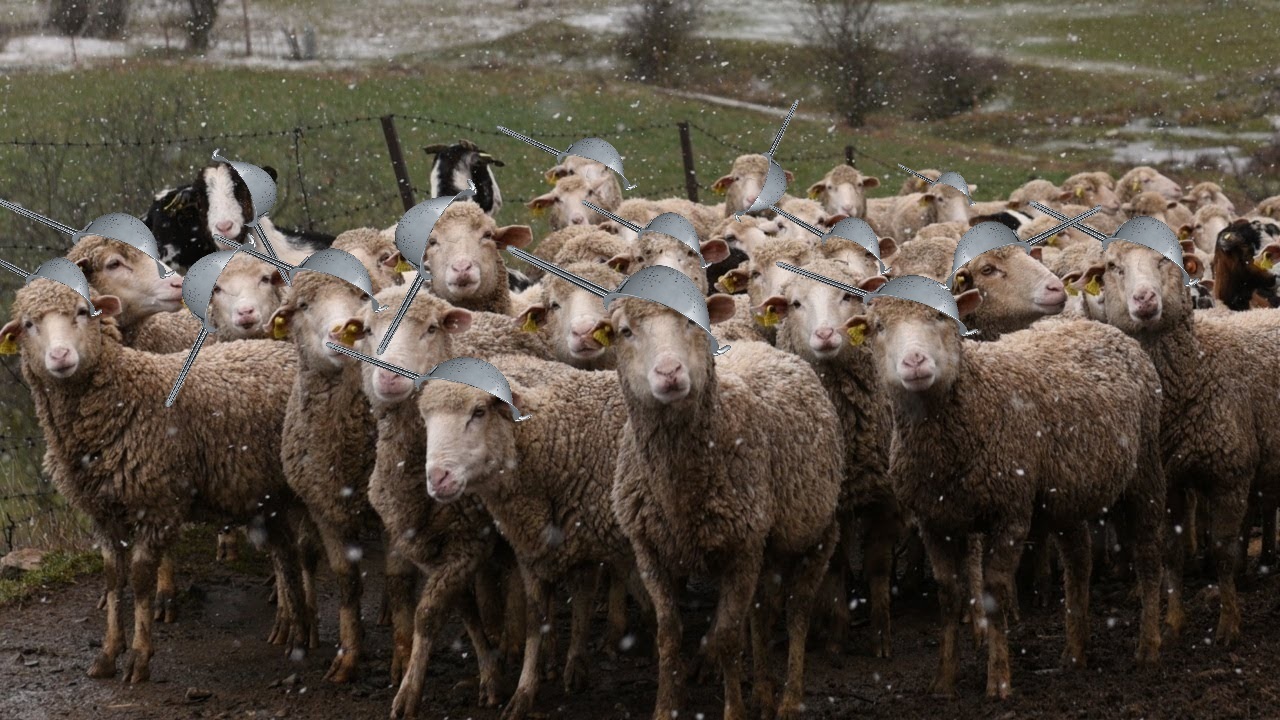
214	663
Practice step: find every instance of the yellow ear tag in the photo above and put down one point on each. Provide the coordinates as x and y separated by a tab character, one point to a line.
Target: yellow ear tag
8	346
813	194
1071	289
719	189
924	201
538	211
1183	233
530	325
1052	241
1264	262
350	334
729	284
1136	185
551	179
857	335
1079	192
769	318
604	336
279	329
1094	287
403	266
959	284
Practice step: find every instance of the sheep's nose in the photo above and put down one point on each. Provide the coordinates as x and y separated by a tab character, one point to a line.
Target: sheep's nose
669	367
579	220
245	312
1144	296
224	226
59	354
462	265
175	281
438	475
914	360
824	333
583	326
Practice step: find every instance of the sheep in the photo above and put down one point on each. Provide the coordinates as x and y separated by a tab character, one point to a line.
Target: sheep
464	252
640	211
744	182
1238	278
655	248
1154	204
1268	208
812	317
941	203
1208	194
549	247
952	229
1091	188
329	438
454	166
1209	222
375	251
931	257
810	211
1015	287
185	219
861	262
1145	178
762	277
248	291
125	272
563	204
843	191
1032	191
1002	481
598	246
546	482
139	472
589	169
1208	366
705	484
447	543
566	316
747	234
913	184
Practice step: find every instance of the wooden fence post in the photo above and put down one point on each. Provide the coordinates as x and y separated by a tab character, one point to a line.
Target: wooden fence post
686	152
397	161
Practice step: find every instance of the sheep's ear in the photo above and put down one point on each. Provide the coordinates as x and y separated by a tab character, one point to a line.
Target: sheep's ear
1171	205
790	175
279	322
873	283
1186	245
540	204
1126	207
86	266
734	281
858	329
1270	252
1014	205
271	171
608	226
1184	232
972	188
532	318
831	220
9	335
513	236
721	186
1192	264
392	260
1069	282
927	198
1207	285
1065	196
962	282
775	307
1188	199
888	246
1037	252
870	181
621	262
456	321
815	190
108	305
277	280
435	149
720	307
713	251
968	302
553	175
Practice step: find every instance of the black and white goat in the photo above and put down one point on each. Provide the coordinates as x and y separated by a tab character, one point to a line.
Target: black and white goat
455	165
185	219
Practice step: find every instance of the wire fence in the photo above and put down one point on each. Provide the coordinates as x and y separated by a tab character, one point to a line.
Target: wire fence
339	176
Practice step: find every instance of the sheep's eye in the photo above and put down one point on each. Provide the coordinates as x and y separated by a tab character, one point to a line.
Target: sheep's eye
488	234
303	305
625	332
266	280
113	264
795	303
555	306
477	413
82	312
432	242
730	238
591	193
432	330
28	325
640	258
847	298
942	317
879	326
755	273
217	289
988	269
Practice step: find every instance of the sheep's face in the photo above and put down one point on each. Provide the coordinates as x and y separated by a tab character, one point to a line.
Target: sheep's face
948	204
54	330
596	247
749	233
423	340
655	248
590	170
570	316
914	184
815	313
844	191
1147	179
1017	289
1145	292
321	309
916	347
563	205
1150	204
247	293
1207	229
861	262
766	278
808	211
379	256
225	201
663	357
1091	189
470	438
464	252
1208	194
121	270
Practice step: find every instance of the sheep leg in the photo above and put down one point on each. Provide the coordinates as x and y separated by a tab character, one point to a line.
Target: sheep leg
1180	514
947	556
882	528
114	565
737	588
402	576
486	653
803	586
309	553
616	615
583	586
1004	551
299	626
660	584
1228	509
1147	525
537	601
142	576
764	615
835	603
283	626
550	640
514	617
487	587
350	630
1268	502
228	545
1075	549
914	562
977	605
166	590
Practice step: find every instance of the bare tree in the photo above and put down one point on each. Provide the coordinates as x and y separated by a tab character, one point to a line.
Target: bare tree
89	18
849	36
654	31
199	24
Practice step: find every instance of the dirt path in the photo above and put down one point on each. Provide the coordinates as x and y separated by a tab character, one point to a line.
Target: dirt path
218	646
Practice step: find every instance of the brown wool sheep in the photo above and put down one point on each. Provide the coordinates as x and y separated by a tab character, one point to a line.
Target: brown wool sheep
464	253
562	205
843	191
744	182
710	480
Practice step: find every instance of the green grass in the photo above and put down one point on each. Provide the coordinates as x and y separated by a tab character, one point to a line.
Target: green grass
59	569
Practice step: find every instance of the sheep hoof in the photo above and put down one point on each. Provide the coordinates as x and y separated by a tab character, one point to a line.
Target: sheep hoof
488	693
881	648
166	611
343	669
405	704
104	666
102	600
763	697
519	706
576	676
943	687
1072	660
1227	635
137	667
999	688
1148	657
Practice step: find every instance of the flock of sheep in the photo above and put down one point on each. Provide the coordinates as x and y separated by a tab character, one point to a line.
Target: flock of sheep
1099	387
